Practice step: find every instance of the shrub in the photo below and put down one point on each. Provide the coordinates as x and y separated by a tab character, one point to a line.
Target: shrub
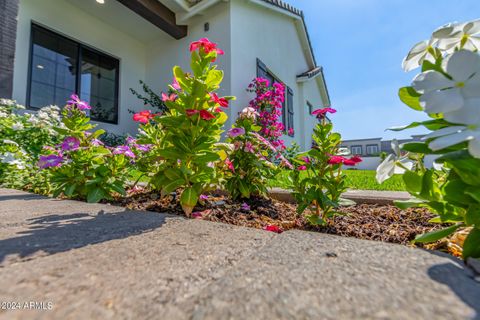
149	98
248	167
190	128
81	166
448	91
22	136
319	190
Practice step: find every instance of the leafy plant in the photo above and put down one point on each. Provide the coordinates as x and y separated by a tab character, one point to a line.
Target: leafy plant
191	127
448	91
149	97
319	190
81	166
248	167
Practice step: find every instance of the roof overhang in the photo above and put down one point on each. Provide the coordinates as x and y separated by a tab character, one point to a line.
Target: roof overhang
157	14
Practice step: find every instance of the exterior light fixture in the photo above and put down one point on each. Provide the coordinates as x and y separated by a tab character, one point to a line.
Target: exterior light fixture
100	1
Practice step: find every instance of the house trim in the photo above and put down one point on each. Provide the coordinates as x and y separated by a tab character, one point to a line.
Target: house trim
8	33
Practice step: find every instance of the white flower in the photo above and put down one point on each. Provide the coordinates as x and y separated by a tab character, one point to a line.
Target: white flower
394	164
458	98
9	158
3	114
17	126
459	35
249	113
343	152
450	136
33	120
6	141
418	54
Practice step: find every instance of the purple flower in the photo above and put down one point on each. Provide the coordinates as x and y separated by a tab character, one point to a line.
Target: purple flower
130	140
96	143
124	150
245	207
70	144
203	197
143	147
235	132
249	147
51	160
75	101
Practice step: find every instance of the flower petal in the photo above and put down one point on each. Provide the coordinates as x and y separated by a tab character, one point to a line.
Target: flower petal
474	147
450	140
442	101
462	65
431	81
472	87
447	31
386	169
443	132
468	114
472	27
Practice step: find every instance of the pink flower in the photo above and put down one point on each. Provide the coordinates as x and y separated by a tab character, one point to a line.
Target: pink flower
235	132
336	160
302	168
229	165
125	150
205	45
204	114
291	132
175	84
170	97
50	161
203	197
143	116
249	147
321	113
245	207
273	228
306	159
70	144
75	101
349	162
96	143
356	159
221	101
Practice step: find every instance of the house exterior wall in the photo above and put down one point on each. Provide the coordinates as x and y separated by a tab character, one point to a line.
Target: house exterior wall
271	36
66	19
363	143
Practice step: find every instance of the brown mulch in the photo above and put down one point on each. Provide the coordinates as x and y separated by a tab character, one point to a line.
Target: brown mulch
369	222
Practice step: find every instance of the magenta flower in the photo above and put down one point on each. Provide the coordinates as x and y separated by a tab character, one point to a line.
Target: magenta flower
70	144
322	113
248	147
130	140
143	147
235	132
302	168
245	207
96	143
125	150
75	101
176	85
306	159
203	197
49	161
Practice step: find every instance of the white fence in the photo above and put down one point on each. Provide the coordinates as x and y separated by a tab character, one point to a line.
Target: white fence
371	163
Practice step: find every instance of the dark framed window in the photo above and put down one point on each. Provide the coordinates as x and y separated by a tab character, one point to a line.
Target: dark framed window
287	108
60	66
372	149
356	150
310	107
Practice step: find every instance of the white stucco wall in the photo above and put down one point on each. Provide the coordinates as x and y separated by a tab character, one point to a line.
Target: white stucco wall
271	36
63	17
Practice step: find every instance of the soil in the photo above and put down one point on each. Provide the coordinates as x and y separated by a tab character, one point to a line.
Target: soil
369	222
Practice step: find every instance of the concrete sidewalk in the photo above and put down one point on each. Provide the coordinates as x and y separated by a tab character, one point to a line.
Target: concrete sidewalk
102	262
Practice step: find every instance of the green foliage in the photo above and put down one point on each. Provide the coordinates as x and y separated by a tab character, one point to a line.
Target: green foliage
149	97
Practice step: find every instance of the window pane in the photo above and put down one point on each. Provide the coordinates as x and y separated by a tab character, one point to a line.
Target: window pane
98	84
53	69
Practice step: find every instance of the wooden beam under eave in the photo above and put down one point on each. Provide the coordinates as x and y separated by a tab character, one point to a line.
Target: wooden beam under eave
157	14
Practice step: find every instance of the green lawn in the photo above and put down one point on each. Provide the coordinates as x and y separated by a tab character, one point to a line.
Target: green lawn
356	179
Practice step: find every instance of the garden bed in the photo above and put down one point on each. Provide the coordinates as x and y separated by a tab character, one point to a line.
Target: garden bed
384	223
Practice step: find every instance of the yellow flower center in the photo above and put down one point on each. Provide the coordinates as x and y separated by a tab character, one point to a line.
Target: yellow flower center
460	84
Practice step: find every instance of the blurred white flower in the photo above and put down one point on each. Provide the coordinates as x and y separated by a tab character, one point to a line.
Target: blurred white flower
3	114
458	35
458	98
17	126
7	141
418	54
395	163
10	159
450	136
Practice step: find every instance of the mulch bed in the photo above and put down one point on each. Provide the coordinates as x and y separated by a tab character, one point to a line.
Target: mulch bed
370	222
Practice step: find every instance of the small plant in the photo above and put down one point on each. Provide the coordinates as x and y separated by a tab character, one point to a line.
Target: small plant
81	166
248	167
191	127
318	181
448	91
150	98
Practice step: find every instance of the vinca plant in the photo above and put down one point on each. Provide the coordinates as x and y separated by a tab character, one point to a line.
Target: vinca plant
318	181
81	166
447	90
248	166
192	126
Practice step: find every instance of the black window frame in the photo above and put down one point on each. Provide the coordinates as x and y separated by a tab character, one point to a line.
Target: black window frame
310	107
264	72
81	46
372	145
290	112
357	146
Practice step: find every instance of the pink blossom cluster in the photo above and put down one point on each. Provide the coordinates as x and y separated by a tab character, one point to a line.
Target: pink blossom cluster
268	103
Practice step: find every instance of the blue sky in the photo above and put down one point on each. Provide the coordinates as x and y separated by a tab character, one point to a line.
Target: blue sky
361	44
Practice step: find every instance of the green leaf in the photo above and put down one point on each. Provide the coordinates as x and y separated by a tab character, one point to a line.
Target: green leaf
117	187
412	203
173	185
346	202
214	78
413	181
189	198
410	97
95	195
315	220
472	217
70	189
436	235
471	246
466	167
173	174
